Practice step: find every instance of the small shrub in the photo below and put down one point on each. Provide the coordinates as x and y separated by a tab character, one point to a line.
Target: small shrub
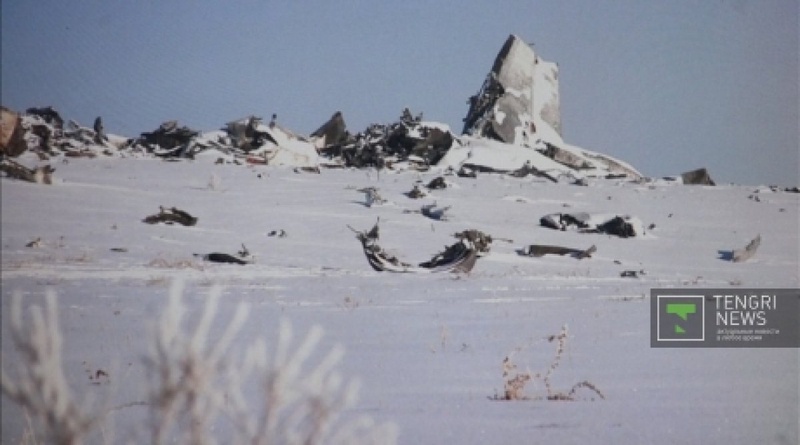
515	382
196	384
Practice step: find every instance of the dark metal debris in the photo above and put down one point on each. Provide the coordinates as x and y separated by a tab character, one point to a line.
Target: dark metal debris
171	216
459	257
538	250
619	226
697	177
409	139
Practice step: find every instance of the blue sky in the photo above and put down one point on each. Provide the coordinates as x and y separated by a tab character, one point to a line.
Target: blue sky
667	86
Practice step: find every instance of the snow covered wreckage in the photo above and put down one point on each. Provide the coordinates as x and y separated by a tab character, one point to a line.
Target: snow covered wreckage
513	125
518	106
460	257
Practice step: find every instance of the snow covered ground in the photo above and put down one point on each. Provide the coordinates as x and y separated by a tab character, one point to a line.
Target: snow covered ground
428	349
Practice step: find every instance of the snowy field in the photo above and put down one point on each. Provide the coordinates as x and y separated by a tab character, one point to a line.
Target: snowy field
428	349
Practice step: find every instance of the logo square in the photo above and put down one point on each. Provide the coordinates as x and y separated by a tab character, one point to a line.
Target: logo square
680	318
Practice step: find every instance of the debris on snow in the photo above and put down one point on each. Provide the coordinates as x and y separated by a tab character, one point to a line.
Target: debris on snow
529	169
246	135
518	99
561	221
433	211
459	257
171	216
416	192
409	140
242	257
745	254
513	125
631	273
168	140
39	175
466	172
538	250
371	196
333	132
519	106
35	243
437	183
697	177
621	226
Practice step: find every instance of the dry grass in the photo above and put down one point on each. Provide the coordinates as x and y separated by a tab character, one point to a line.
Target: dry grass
198	388
515	381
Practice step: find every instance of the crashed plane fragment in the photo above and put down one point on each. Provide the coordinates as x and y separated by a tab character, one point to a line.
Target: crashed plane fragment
518	99
516	119
459	257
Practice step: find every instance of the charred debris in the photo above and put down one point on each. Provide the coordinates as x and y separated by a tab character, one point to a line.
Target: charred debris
512	126
517	108
459	257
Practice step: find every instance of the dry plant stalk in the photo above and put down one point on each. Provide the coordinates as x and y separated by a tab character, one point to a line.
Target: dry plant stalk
40	386
197	388
514	383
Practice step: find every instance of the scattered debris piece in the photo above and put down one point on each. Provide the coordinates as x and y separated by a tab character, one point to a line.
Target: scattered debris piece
371	196
416	193
39	175
246	135
100	137
222	258
631	273
48	116
697	177
561	221
481	241
621	226
581	182
168	140
306	169
618	226
433	211
171	216
437	183
466	172
410	139
242	257
460	257
539	250
745	254
529	169
567	158
331	133
35	243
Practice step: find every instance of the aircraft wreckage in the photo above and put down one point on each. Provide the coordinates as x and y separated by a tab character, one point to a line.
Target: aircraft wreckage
513	124
460	257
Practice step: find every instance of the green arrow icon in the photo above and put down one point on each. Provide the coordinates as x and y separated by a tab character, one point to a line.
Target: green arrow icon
681	309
